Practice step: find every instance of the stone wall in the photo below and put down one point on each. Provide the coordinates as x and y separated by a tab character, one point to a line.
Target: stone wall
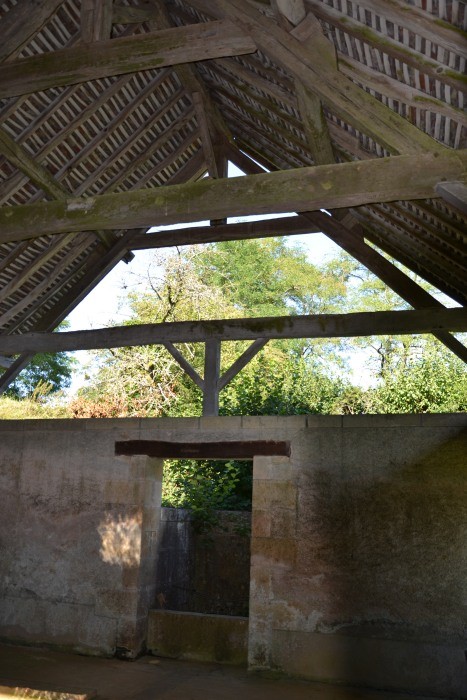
359	562
78	530
204	572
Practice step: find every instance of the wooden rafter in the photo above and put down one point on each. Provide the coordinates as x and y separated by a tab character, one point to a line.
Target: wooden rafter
293	10
352	240
337	92
285	226
301	189
21	23
455	193
313	326
123	55
96	20
213	130
395	49
394	89
40	175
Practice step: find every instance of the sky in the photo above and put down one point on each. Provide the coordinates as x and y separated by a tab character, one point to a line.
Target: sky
105	305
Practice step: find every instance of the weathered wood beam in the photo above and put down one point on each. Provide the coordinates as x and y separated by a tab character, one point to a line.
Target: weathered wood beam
420	22
301	189
96	20
206	135
315	326
124	14
232	449
315	126
21	22
394	89
351	239
454	193
212	363
197	42
342	96
241	362
190	80
33	169
184	364
95	273
395	49
42	177
285	226
293	10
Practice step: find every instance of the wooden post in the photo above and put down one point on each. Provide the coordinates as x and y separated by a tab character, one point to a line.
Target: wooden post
212	358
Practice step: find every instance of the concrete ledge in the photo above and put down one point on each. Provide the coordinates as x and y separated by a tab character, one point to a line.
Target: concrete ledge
198	637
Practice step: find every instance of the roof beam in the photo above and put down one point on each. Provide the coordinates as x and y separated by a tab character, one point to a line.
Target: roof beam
293	10
455	193
167	47
41	176
285	226
301	189
396	90
21	23
418	61
351	239
310	64
96	20
313	326
410	17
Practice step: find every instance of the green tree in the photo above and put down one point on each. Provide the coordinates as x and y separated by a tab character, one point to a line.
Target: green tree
46	373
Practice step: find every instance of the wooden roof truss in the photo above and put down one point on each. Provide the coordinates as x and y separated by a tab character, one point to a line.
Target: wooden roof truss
111	112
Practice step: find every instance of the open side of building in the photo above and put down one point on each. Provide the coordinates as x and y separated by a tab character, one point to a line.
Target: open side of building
350	114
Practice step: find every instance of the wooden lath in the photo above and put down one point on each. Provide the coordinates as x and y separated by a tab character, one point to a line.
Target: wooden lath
290	97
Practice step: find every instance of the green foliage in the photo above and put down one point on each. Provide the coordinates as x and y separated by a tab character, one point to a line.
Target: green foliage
431	380
47	373
261	278
276	383
22	409
205	487
52	370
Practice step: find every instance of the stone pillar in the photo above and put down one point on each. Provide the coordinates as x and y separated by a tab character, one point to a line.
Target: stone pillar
273	548
130	542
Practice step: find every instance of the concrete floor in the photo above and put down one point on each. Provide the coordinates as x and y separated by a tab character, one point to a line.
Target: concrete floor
158	679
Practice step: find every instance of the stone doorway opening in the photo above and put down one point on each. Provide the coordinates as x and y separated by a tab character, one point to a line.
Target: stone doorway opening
202	576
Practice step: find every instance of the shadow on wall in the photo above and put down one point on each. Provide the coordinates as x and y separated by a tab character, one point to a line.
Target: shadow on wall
204	572
381	565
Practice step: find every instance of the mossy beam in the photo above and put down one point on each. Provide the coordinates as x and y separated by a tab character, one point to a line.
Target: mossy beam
316	326
302	189
393	48
284	226
167	47
308	64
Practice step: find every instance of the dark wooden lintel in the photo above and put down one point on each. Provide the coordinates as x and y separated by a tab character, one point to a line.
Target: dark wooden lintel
245	449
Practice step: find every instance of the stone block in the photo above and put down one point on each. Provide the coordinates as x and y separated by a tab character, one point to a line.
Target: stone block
448	420
198	637
271	493
268	551
273	468
261	523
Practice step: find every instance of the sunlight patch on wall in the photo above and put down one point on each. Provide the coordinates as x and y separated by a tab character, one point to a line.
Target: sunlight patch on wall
121	540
